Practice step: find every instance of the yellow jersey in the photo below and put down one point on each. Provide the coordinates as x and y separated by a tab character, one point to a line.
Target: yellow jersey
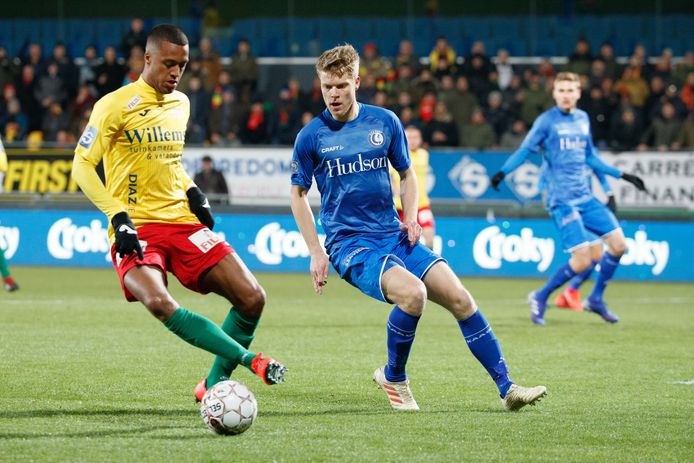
139	134
3	158
420	163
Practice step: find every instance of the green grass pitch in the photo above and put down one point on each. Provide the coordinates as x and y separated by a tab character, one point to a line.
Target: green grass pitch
85	376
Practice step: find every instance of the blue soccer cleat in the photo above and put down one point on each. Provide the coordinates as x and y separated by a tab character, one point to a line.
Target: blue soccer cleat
600	308
537	309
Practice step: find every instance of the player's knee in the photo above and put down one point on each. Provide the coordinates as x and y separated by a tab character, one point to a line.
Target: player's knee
254	303
160	305
618	248
461	304
580	261
416	298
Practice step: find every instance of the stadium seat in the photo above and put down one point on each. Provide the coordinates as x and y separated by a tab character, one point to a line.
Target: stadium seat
302	37
388	33
330	32
359	29
270	36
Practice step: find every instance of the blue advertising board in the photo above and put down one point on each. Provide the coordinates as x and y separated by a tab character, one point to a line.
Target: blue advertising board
464	175
472	246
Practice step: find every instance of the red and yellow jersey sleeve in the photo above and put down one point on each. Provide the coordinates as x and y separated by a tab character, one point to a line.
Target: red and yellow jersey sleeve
139	136
420	163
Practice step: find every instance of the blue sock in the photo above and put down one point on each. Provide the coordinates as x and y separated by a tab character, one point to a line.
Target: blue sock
578	280
401	328
486	349
564	274
608	265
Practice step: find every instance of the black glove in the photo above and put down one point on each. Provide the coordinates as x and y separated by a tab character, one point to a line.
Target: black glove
200	206
498	177
634	180
126	235
611	203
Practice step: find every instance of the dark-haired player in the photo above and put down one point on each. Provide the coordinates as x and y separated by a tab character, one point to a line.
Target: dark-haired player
160	220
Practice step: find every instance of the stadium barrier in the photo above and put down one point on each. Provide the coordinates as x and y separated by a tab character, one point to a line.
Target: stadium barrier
658	251
261	176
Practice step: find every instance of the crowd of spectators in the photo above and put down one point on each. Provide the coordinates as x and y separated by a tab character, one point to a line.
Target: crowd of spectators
468	100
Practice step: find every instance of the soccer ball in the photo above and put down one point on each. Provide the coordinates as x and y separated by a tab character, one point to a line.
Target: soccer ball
229	407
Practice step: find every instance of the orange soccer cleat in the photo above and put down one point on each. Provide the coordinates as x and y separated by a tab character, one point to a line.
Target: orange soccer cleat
569	299
200	390
270	370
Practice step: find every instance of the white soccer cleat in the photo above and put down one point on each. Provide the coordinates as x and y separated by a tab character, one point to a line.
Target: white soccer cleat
398	393
518	397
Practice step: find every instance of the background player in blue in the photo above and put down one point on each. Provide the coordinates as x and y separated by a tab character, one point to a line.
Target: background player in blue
347	149
570	298
563	136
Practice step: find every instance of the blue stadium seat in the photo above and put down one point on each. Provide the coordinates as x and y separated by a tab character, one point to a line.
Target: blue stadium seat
25	30
546	48
388	32
359	29
509	27
330	32
270	36
302	37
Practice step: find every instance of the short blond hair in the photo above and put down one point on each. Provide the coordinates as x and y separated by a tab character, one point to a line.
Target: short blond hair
339	61
568	77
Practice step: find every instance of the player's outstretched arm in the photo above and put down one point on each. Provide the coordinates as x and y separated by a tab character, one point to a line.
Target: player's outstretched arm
200	206
604	184
512	163
303	216
496	180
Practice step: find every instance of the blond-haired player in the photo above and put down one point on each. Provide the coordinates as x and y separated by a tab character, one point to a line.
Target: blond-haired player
347	149
562	134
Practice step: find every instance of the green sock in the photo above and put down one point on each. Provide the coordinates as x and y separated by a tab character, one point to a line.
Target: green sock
4	271
201	332
241	329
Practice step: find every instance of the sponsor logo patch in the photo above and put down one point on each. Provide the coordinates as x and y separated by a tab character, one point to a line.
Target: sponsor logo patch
205	239
88	136
294	166
134	101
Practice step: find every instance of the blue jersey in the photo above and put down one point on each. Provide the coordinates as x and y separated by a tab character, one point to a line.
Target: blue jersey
349	161
606	188
565	141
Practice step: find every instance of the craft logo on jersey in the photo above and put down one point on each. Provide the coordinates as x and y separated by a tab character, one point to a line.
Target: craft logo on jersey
337	167
330	149
376	138
88	136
